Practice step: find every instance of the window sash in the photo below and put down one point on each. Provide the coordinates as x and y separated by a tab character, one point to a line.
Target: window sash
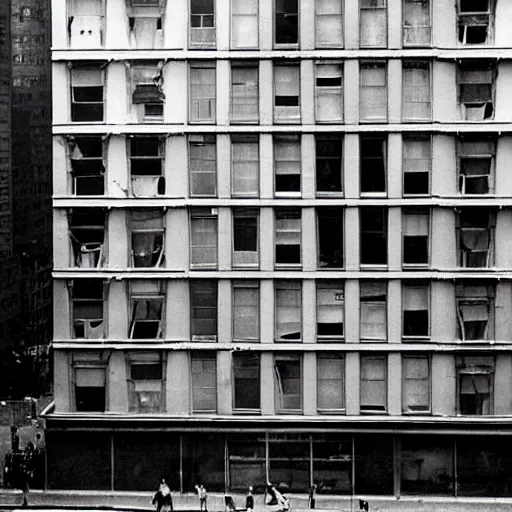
416	24
203	169
416	91
373	25
415	224
288	384
373	392
330	382
245	166
288	304
203	297
329	92
244	94
244	24
202	94
203	241
374	92
246	313
329	23
204	383
416	394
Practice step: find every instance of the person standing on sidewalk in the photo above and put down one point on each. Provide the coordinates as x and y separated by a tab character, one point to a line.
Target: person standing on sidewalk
203	498
249	501
163	498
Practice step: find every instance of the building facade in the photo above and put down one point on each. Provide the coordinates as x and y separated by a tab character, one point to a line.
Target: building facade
282	246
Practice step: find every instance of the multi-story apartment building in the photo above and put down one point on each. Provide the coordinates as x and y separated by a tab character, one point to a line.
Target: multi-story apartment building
282	245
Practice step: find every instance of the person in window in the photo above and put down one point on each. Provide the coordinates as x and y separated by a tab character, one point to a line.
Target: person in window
163	498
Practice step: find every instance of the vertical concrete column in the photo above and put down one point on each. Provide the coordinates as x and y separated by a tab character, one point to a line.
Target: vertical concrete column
307	88
444	244
61	311
223	91
444	180
177	251
503	241
307	25
503	111
222	15
178	383
267	310
308	162
394	238
395	24
503	321
445	106
59	24
266	86
394	384
224	323
224	390
266	24
224	166
351	89
267	383
502	33
177	311
394	307
116	93
352	247
444	385
352	386
443	310
118	172
61	90
503	177
117	383
176	25
351	29
117	31
118	244
61	244
266	166
117	307
61	381
444	23
352	311
309	255
61	174
309	383
394	86
395	159
176	92
309	311
176	167
224	233
266	239
503	385
351	165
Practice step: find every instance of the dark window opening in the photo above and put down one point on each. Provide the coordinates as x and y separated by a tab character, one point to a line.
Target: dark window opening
245	233
246	381
87	166
373	165
146	371
288	236
203	297
87	297
329	164
87	234
330	237
90	399
146	318
475	237
415	311
373	235
473	6
286	22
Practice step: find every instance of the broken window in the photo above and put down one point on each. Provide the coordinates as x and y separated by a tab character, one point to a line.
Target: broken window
475	375
87	165
87	237
87	94
374	228
329	92
288	236
244	24
288	383
476	81
288	310
85	24
87	303
147	94
146	32
204	381
244	92
415	298
287	93
416	384
146	382
475	21
330	383
203	298
287	160
415	228
329	24
330	314
146	166
416	22
245	237
202	23
373	310
330	236
373	384
147	228
416	164
475	311
416	97
202	92
203	237
329	164
373	101
286	30
476	233
89	372
476	164
246	310
246	381
373	23
245	161
147	300
203	165
373	164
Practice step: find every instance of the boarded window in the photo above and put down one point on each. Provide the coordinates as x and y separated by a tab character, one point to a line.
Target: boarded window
373	310
288	236
330	383
246	311
415	310
204	382
416	382
244	92
202	93
373	104
288	383
203	165
416	97
373	23
246	379
329	24
374	244
416	22
373	384
288	303
329	92
330	310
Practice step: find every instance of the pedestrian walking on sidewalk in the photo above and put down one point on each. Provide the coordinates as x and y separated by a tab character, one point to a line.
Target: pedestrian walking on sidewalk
163	498
203	498
249	501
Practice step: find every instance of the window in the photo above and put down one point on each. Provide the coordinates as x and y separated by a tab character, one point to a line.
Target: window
87	303
476	164
329	165
245	158
244	91
329	24
202	23
89	371
147	94
146	166
332	463
146	31
415	299
204	382
476	237
373	101
330	236
373	22
330	383
147	228
415	231
475	311
87	237
374	244
288	310
373	384
373	164
287	93
245	237
203	165
416	97
373	311
289	461
329	92
476	19
87	94
85	28
416	384
147	300
244	24
287	155
203	298
246	378
330	306
203	237
87	167
475	376
417	27
288	236
146	381
288	383
417	162
286	29
476	81
202	92
246	310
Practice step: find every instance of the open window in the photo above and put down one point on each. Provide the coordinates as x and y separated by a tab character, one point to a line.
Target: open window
415	303
373	164
416	384
204	381
87	94
147	300
416	95
286	93
288	236
146	382
287	161
246	310
416	23
329	165
373	392
89	378
87	165
246	381
202	23
415	229
374	237
203	305
476	81
475	376
476	158
330	310
475	311
373	24
329	24
203	238
330	383
476	21
330	236
288	303
373	311
373	104
147	94
146	166
417	162
244	92
288	383
202	151
87	228
245	162
147	228
202	92
476	237
87	298
286	27
245	238
85	24
329	92
244	24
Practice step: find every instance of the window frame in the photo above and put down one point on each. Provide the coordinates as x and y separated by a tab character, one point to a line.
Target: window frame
203	356
277	377
73	146
412	138
212	105
287	116
462	36
363	117
362	9
463	298
89	361
329	44
326	357
330	285
289	45
324	91
416	212
155	231
319	140
408	338
477	365
288	212
364	300
202	140
103	326
249	119
490	157
278	141
214	289
479	67
405	407
384	234
405	40
288	285
212	43
87	253
416	64
246	284
197	214
248	356
158	292
101	83
237	139
233	16
385	406
365	159
341	218
247	213
158	179
464	256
